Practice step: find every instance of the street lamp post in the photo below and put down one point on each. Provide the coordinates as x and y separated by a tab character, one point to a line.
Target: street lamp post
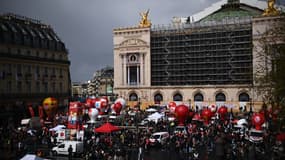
190	107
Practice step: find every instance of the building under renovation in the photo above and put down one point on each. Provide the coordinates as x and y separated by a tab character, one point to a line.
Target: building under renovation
204	59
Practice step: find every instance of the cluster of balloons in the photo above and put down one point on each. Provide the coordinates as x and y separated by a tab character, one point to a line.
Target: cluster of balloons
98	106
182	112
101	104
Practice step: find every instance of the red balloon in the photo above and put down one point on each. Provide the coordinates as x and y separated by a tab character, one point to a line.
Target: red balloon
181	112
103	104
117	107
197	117
257	120
206	115
222	112
90	102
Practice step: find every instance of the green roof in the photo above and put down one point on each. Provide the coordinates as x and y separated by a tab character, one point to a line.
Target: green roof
230	11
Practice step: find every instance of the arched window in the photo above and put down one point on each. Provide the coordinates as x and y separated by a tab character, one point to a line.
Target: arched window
220	97
198	97
133	97
177	97
243	97
158	97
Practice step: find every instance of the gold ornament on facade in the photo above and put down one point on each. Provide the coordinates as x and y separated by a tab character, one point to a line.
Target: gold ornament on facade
144	19
271	10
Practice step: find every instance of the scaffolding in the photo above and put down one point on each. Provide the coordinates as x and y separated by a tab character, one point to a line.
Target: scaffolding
202	53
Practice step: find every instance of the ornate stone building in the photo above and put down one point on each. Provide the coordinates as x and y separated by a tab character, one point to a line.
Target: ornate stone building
33	65
204	59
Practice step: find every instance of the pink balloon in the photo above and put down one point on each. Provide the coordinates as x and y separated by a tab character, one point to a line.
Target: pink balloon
172	106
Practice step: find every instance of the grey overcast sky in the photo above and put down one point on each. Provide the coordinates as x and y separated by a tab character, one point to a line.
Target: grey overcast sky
85	26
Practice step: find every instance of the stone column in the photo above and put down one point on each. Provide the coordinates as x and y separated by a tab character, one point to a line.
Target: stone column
128	70
142	68
138	72
123	70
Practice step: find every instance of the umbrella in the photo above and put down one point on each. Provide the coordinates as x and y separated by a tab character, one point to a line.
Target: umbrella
107	128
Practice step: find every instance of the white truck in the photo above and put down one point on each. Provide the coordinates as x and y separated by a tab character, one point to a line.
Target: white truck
62	148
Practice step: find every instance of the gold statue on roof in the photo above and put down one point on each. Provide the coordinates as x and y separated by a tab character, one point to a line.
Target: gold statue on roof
271	10
144	20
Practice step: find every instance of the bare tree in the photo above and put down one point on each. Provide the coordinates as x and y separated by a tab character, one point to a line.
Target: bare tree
269	77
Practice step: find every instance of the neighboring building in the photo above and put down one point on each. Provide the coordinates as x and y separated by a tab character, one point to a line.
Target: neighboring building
204	59
102	83
79	89
34	64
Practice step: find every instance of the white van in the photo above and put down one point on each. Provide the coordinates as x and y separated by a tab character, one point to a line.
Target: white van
160	137
62	148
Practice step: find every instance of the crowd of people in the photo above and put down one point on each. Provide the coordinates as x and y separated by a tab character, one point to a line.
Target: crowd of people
219	139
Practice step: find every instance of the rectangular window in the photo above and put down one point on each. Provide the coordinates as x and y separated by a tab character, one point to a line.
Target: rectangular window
29	87
60	73
19	87
9	69
37	73
29	68
19	69
60	87
9	87
46	87
53	87
46	72
38	87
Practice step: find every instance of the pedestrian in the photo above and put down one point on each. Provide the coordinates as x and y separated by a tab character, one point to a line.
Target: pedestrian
219	147
70	152
251	152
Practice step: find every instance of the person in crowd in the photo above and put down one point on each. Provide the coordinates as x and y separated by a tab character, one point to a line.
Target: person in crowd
70	152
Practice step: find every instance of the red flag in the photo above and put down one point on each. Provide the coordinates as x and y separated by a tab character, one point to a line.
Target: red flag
41	112
31	111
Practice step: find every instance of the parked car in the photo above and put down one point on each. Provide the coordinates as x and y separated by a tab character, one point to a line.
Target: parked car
159	138
62	148
180	130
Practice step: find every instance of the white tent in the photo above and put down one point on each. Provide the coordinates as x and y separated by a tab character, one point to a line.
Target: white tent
58	127
154	117
25	121
151	110
31	157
